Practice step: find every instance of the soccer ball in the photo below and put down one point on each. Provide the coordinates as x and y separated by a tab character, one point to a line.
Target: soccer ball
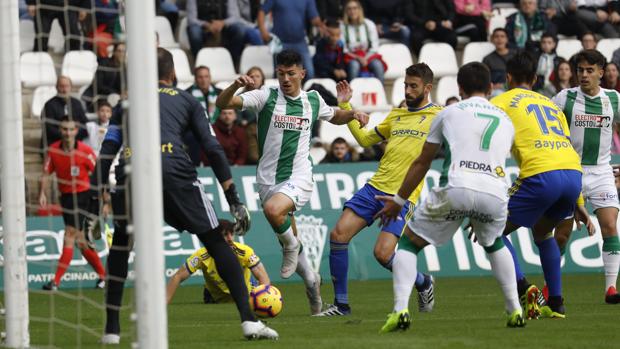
266	300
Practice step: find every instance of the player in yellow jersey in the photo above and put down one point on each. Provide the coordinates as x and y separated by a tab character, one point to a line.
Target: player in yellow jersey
549	180
215	290
405	131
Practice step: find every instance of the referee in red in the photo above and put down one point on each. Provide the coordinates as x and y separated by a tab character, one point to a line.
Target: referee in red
73	161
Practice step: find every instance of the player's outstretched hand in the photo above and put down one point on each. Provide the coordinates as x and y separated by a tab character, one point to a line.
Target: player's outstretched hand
582	216
244	81
390	210
361	117
242	219
343	92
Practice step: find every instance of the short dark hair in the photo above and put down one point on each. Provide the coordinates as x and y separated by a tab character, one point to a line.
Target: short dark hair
474	77
67	117
422	71
339	140
452	99
103	103
288	58
226	226
332	22
549	35
522	67
591	57
588	33
200	67
165	63
499	30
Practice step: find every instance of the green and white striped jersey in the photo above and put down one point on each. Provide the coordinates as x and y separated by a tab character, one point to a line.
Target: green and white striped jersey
284	130
591	121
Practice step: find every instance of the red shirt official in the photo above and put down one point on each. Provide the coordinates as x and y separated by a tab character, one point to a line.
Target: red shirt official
72	168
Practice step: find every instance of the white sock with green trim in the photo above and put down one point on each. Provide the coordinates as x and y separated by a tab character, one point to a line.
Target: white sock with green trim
287	238
304	269
611	261
504	272
404	272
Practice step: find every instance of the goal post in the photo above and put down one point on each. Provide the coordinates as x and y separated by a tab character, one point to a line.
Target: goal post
13	181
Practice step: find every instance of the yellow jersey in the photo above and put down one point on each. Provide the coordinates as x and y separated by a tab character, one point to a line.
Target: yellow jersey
405	132
213	282
542	136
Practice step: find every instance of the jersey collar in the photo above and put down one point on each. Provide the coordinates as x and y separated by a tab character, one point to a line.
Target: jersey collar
430	104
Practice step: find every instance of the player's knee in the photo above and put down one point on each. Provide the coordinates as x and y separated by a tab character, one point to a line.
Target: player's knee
382	255
561	240
82	245
338	235
608	228
272	212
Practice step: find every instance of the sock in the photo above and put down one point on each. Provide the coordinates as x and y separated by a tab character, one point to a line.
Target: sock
518	273
405	271
117	273
421	283
229	270
93	259
304	269
63	263
550	259
388	265
611	260
287	238
339	268
503	269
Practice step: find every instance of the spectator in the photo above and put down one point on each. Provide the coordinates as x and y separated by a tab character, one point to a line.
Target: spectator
205	92
389	17
57	108
526	27
496	60
108	78
340	152
616	57
100	29
471	18
561	78
329	61
44	12
361	43
97	129
248	117
595	15
232	138
330	9
169	10
452	100
547	61
588	42
563	15
289	18
432	20
610	77
23	10
244	12
209	21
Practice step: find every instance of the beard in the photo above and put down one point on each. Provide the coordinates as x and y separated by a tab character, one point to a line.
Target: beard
415	102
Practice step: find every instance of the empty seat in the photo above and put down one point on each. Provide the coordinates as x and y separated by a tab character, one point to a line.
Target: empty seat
40	96
398	91
182	35
376	118
499	18
182	68
166	36
397	57
56	38
568	47
328	132
446	87
220	62
440	57
476	51
37	69
317	154
328	83
259	56
80	67
368	95
26	35
607	47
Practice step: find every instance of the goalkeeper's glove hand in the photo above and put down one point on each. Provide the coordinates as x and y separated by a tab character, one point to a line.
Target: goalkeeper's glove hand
238	210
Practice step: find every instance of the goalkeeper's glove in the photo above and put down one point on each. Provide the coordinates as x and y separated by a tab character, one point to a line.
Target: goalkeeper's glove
238	210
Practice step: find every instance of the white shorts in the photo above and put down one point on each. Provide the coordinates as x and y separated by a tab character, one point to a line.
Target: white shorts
444	210
291	188
599	187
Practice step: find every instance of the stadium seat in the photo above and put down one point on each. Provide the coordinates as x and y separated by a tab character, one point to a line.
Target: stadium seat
259	56
317	154
446	87
440	57
607	47
41	95
37	69
182	68
397	57
376	118
182	35
56	40
220	62
271	83
328	83
328	132
568	47
80	67
368	95
398	91
26	35
476	51
499	18
113	99
166	36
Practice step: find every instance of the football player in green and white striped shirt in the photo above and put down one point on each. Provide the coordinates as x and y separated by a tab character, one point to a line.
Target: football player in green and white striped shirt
591	111
286	115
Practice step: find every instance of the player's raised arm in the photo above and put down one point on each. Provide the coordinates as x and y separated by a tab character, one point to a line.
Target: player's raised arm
227	98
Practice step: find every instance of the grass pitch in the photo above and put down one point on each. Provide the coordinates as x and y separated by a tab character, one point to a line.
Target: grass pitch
468	314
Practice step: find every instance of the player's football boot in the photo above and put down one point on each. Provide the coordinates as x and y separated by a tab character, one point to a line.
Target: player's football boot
397	321
426	297
529	301
336	310
314	295
515	319
110	338
100	284
290	257
612	296
50	286
257	330
554	309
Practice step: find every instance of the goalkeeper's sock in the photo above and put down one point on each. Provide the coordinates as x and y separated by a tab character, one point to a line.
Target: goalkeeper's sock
550	260
405	270
93	259
228	268
504	272
118	265
304	269
63	263
518	273
339	268
611	260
